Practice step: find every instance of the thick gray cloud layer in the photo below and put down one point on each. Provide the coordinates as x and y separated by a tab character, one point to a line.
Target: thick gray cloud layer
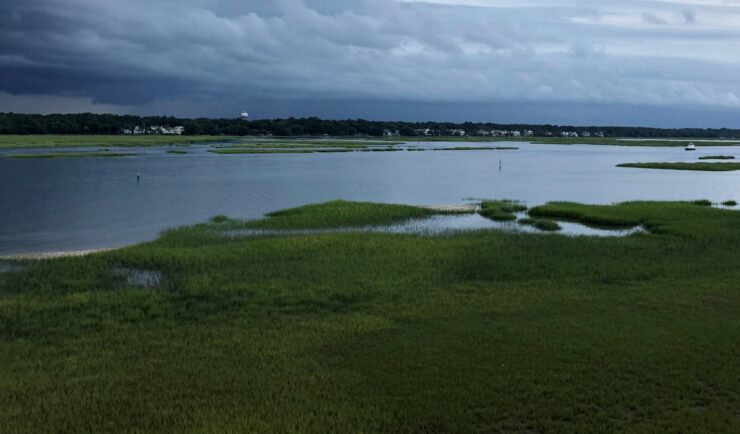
211	56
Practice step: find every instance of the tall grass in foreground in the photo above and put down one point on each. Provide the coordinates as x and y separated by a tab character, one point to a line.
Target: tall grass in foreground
369	332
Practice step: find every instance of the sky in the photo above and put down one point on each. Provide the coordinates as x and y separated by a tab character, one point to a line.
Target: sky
581	62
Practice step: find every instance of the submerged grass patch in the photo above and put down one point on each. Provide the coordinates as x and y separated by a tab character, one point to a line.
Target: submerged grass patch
488	331
302	143
467	148
477	148
712	167
717	157
501	210
543	225
176	151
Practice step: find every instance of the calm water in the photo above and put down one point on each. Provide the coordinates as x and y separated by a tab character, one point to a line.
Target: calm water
61	204
450	223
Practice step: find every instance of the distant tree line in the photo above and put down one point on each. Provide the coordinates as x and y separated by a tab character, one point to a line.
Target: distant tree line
88	123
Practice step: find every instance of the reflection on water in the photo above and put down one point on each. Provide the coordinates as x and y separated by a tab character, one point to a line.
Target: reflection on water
72	204
446	224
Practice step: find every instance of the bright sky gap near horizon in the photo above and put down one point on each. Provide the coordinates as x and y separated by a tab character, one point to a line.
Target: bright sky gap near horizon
634	62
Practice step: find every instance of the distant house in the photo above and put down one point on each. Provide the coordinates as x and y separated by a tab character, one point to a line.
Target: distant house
569	134
391	133
423	132
154	130
457	132
509	133
586	134
528	133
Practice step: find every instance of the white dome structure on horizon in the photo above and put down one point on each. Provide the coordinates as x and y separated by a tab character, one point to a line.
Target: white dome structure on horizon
244	116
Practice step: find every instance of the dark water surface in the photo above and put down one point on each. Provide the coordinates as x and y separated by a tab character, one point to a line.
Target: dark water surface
83	203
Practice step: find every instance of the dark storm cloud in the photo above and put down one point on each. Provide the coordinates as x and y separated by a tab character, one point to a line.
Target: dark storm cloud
167	54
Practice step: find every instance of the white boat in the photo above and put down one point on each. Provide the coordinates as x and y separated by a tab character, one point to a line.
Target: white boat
690	147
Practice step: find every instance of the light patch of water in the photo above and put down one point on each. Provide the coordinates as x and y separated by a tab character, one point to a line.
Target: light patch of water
139	278
8	267
450	223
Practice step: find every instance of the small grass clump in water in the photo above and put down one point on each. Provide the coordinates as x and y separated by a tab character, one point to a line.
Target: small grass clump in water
543	225
220	218
710	167
702	202
501	210
176	151
729	203
467	148
547	225
230	151
717	157
339	213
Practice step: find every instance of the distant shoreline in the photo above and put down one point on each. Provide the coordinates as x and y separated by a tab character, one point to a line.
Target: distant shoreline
56	254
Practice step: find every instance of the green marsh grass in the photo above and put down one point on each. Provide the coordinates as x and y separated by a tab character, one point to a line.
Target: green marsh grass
339	213
220	218
233	151
711	167
487	331
477	148
543	225
501	210
729	203
467	148
316	143
55	141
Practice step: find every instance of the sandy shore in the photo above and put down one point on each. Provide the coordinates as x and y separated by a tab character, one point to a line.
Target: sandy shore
51	255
